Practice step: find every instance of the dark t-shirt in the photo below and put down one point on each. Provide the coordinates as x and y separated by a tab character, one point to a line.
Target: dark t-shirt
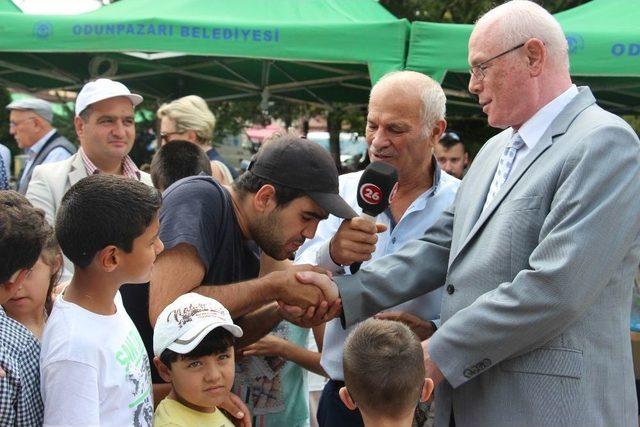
198	211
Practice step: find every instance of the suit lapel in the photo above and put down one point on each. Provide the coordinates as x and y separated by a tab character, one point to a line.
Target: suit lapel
77	171
557	128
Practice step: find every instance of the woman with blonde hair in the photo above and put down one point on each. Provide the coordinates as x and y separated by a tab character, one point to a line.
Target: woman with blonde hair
189	118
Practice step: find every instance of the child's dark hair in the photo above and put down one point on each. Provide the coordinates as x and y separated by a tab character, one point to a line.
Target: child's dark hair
23	231
102	210
215	342
176	160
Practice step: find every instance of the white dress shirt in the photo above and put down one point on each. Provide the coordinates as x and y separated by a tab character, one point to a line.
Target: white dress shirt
533	129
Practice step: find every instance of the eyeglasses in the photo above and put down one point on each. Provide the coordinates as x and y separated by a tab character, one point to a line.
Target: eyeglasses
164	136
13	124
477	71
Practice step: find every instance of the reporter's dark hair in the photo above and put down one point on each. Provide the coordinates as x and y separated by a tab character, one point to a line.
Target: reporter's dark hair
176	160
250	183
103	210
23	231
215	342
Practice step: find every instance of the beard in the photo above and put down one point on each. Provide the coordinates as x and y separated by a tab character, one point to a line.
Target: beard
267	233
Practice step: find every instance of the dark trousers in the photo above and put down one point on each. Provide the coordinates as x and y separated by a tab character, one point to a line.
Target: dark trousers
331	410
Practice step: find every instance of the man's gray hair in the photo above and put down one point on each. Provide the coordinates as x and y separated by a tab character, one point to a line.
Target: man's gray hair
517	21
434	102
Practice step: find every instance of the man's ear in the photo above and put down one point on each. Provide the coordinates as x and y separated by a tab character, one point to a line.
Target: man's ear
78	123
346	399
427	389
438	129
108	258
163	370
465	160
265	199
536	56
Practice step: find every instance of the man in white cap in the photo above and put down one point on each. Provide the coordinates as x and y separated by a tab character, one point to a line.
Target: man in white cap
105	126
30	124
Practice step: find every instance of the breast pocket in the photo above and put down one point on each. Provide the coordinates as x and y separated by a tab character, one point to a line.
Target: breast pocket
520	204
524	220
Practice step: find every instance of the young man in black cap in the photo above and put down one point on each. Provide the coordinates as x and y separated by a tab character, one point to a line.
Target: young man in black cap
208	230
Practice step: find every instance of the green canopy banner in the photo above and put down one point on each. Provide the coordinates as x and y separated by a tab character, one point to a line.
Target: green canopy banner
356	33
604	48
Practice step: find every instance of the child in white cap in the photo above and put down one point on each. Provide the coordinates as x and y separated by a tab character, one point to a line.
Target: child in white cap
193	346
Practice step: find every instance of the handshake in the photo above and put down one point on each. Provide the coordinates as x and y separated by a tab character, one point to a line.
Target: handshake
306	295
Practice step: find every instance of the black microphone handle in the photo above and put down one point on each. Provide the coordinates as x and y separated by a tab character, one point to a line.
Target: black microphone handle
356	265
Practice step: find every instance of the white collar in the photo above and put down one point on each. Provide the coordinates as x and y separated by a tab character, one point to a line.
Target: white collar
533	129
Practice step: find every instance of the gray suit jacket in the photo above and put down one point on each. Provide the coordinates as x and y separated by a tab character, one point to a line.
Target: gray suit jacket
538	286
51	181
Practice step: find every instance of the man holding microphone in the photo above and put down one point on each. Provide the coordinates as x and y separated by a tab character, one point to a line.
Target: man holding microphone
405	120
537	276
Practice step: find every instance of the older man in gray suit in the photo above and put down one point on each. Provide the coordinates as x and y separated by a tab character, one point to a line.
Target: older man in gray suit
537	275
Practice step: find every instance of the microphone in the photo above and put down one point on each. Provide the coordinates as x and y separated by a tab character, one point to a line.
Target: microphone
375	188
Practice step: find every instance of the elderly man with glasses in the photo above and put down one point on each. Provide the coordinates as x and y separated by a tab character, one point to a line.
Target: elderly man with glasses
30	124
537	276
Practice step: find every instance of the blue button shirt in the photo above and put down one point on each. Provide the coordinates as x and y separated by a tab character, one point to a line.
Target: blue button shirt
420	215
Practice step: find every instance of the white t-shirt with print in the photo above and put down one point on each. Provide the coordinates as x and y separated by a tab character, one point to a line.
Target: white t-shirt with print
94	369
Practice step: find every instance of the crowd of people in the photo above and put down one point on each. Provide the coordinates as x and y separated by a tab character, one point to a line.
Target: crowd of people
186	296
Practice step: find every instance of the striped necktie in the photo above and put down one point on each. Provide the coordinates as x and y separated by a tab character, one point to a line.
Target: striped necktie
504	167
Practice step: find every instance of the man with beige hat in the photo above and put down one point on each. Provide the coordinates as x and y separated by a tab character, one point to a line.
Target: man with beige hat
30	124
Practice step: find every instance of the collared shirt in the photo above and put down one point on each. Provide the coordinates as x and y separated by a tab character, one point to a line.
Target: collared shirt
129	169
56	155
533	129
20	400
419	216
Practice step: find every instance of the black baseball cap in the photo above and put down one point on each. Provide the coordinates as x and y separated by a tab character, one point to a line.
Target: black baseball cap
302	165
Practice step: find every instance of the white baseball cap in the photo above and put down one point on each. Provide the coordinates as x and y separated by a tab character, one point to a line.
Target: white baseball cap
186	321
101	89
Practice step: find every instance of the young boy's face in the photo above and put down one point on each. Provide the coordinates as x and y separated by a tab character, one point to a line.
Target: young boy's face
203	383
139	262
